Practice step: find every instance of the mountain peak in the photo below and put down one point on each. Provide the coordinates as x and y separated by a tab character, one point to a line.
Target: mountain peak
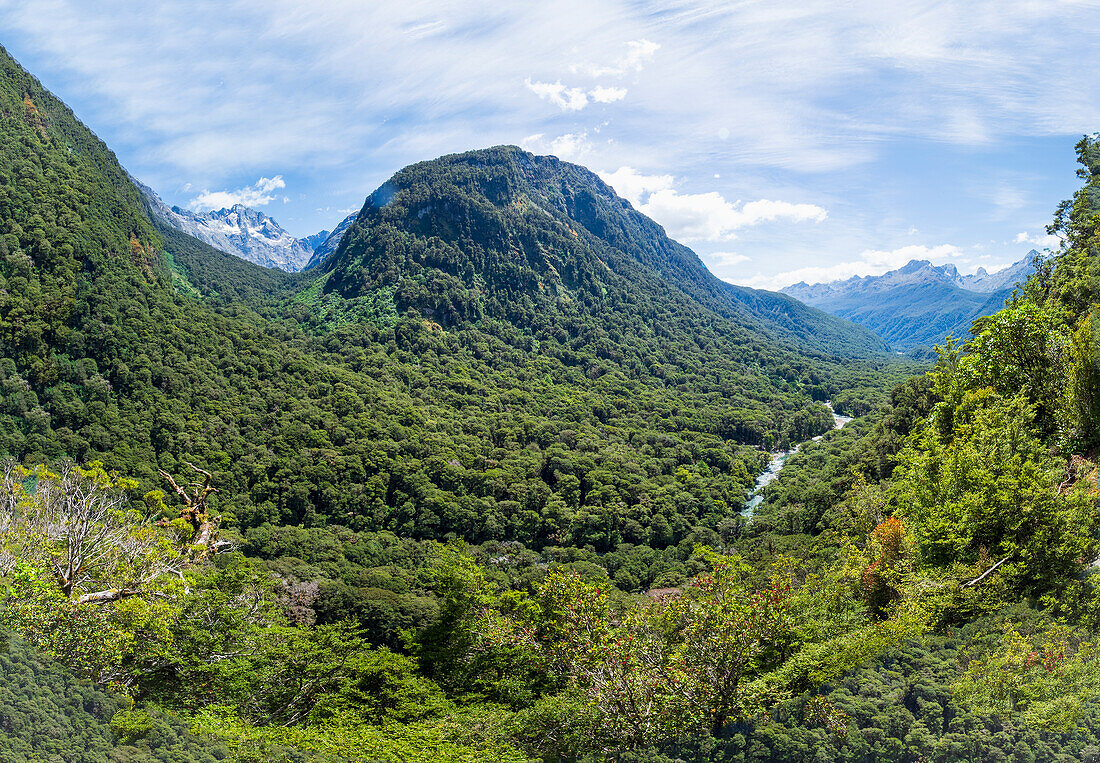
913	266
239	230
506	234
918	303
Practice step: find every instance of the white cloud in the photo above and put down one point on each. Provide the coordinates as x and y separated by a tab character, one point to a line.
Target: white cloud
701	216
571	147
216	91
895	258
601	94
565	98
638	53
708	216
256	195
1042	241
808	86
634	186
574	98
804	85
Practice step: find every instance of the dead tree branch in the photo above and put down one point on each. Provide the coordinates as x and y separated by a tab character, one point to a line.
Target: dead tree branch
986	574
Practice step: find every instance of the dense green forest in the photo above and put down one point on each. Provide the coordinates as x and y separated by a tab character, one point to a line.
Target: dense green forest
473	490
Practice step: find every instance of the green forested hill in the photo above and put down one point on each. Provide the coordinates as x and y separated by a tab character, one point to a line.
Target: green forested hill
201	271
493	417
545	245
342	429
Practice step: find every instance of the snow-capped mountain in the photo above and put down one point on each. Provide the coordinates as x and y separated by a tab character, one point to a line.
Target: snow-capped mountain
314	241
915	273
239	230
1006	278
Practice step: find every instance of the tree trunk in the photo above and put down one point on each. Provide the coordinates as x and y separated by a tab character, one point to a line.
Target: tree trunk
104	597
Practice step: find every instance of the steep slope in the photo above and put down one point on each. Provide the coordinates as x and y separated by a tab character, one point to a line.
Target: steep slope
918	304
332	240
910	316
314	241
202	271
503	234
238	230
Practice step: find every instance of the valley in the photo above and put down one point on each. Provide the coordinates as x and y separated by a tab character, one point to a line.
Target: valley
918	305
499	470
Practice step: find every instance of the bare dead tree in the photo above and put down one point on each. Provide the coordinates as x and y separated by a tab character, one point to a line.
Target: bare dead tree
83	522
195	509
79	527
985	574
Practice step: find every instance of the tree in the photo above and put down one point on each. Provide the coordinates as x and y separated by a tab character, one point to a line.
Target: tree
1045	677
721	650
78	525
993	490
109	589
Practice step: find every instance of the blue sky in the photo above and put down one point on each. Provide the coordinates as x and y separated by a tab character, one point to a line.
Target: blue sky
780	140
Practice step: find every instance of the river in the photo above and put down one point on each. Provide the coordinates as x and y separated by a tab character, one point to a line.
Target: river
778	459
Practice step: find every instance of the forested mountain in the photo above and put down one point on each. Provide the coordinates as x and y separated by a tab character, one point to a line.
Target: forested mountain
126	342
502	234
918	304
473	489
239	230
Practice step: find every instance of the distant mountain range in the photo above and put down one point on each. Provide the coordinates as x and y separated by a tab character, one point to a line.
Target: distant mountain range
241	231
918	304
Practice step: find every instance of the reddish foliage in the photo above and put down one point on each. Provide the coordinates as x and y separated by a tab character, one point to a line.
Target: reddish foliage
888	539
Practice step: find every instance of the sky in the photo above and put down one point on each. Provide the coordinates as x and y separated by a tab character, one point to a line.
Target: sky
782	141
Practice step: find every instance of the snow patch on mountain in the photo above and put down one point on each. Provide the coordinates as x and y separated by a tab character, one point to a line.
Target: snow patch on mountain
915	273
238	230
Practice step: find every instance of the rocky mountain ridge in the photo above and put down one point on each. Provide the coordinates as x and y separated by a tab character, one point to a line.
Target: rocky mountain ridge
238	230
913	273
919	304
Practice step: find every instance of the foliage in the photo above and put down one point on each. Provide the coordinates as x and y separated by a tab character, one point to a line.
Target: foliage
48	714
504	356
900	708
1045	677
720	651
992	492
628	417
